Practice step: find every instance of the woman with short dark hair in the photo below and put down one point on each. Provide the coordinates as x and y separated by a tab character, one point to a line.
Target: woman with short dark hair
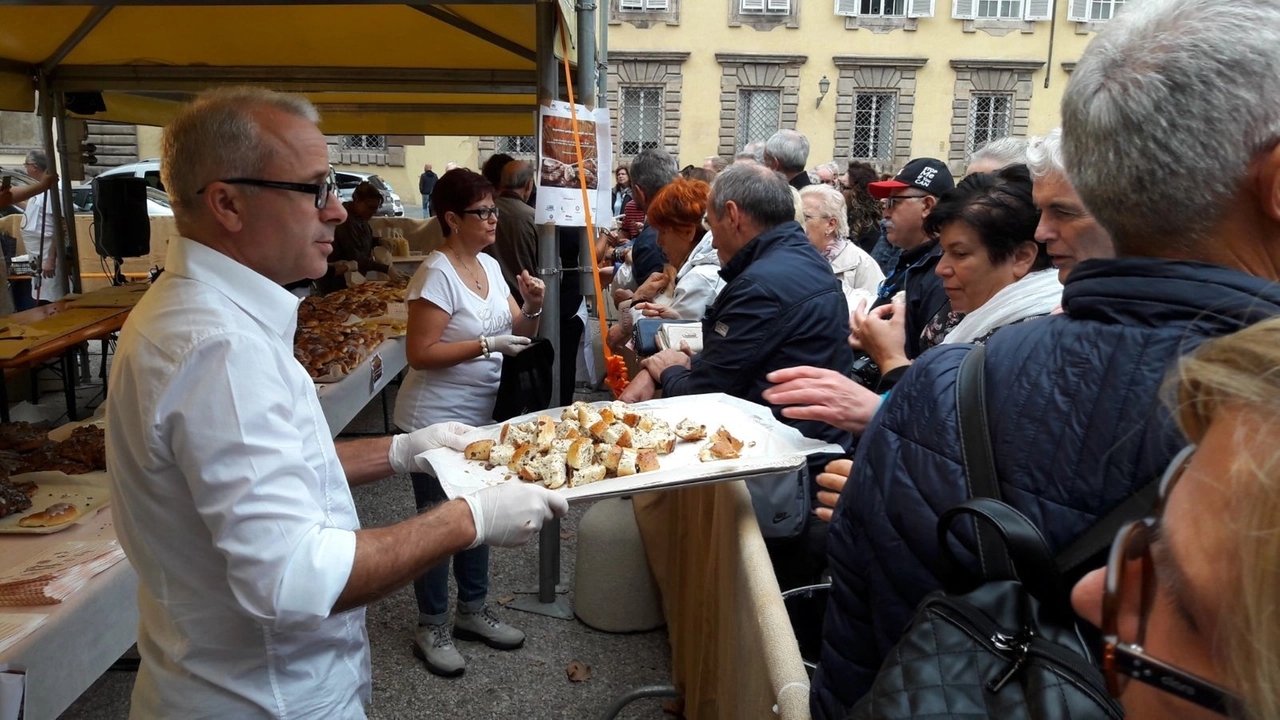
462	321
992	269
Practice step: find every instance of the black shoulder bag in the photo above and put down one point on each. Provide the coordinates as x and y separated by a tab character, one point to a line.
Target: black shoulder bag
1001	645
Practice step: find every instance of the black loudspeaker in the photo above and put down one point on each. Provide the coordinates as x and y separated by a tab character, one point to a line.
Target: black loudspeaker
121	226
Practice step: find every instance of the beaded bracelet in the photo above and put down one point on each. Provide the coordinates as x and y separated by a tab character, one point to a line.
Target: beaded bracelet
484	345
531	316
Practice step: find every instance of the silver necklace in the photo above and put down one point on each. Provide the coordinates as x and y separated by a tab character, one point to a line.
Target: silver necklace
464	267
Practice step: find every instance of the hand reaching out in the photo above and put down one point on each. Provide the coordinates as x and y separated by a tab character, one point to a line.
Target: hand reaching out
823	395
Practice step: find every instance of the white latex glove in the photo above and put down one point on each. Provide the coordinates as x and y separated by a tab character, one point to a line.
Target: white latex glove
508	344
512	513
406	446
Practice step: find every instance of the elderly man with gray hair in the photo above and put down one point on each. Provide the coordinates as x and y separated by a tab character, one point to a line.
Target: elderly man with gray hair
1075	417
782	306
998	155
652	170
1068	230
787	151
230	498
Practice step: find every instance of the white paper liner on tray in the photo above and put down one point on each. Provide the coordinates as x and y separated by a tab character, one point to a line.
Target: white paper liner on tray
88	493
769	447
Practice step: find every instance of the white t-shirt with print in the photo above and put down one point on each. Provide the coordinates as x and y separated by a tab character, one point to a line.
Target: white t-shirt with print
465	392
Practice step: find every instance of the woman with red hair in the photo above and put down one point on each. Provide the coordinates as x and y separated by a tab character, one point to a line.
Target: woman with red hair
692	275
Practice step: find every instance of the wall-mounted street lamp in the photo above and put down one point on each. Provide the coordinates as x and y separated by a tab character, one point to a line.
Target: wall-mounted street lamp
823	86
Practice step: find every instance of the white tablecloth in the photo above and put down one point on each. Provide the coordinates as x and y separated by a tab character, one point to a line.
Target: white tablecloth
343	400
84	635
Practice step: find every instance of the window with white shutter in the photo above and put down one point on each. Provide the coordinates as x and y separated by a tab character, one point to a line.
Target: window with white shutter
920	8
1038	10
781	7
964	9
1078	10
656	5
633	5
752	6
644	5
872	8
999	9
778	6
990	116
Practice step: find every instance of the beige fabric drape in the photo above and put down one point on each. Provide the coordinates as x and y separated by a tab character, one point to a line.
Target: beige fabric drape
733	652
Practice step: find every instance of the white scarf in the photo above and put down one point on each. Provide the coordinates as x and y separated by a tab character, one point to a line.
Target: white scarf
1035	294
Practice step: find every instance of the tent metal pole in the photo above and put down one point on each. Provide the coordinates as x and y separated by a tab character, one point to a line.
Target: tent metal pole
86	26
587	96
546	602
46	128
72	246
479	31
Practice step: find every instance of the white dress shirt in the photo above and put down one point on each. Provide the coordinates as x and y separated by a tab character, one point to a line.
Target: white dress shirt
231	504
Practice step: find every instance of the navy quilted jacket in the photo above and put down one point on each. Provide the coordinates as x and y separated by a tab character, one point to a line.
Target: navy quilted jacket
1077	425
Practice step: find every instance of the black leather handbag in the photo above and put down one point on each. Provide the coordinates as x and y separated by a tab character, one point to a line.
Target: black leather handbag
526	381
1004	644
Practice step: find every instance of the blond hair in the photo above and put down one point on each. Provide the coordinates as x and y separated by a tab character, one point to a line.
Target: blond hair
216	137
1241	373
832	204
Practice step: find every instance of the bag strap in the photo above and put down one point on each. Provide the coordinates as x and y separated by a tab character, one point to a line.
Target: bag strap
1099	537
1023	541
979	460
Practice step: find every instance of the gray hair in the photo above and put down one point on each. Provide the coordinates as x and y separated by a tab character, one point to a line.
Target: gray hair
1044	155
718	164
652	170
39	159
760	193
516	174
789	148
1164	114
1003	152
751	151
832	204
217	136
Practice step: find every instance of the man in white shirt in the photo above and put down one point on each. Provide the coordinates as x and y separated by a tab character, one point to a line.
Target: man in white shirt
232	501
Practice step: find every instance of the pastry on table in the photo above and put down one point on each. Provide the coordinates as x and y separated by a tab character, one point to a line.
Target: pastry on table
55	514
12	499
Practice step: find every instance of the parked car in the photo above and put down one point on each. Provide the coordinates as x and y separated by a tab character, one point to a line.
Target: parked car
148	170
348	180
157	200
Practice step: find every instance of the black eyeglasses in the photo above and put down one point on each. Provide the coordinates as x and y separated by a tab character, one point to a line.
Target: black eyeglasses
1124	657
321	192
891	200
483	213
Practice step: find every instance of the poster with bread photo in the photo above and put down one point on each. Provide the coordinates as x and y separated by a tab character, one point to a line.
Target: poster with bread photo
561	173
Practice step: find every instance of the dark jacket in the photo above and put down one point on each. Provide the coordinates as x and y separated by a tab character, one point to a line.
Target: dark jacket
781	307
352	241
1077	426
516	246
800	181
427	183
914	273
646	257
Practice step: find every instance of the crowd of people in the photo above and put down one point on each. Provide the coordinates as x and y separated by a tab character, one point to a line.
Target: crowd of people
1119	273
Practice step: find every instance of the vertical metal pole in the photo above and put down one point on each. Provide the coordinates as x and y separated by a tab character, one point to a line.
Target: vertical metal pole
46	129
602	52
587	96
72	255
546	602
548	247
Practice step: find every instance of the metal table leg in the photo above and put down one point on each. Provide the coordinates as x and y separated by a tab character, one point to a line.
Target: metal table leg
546	602
68	382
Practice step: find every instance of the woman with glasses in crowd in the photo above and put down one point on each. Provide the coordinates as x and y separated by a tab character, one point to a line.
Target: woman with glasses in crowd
1187	602
462	321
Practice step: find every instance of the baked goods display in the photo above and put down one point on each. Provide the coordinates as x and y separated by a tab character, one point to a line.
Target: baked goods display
336	332
28	449
13	499
589	444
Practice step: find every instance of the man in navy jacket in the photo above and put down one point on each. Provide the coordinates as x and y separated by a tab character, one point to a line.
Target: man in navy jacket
781	306
1077	424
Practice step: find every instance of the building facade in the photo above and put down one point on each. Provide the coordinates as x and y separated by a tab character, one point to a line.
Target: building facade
875	80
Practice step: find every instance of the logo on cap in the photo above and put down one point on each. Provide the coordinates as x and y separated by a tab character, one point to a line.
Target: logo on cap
925	178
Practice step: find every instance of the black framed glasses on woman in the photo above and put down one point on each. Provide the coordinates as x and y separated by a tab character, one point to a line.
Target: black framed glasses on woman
1128	596
320	192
